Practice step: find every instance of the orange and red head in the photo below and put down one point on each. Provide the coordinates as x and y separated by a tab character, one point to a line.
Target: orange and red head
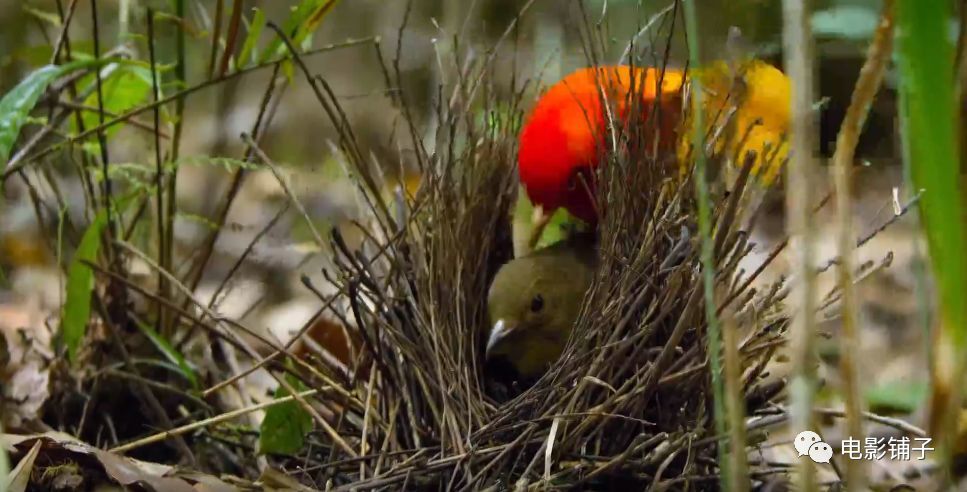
562	140
560	143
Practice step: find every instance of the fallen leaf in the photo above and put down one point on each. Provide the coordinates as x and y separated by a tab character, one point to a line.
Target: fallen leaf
20	476
25	374
120	470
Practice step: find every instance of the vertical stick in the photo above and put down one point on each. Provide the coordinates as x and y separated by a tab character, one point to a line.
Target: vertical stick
171	190
216	36
797	44
101	138
159	176
738	459
713	333
867	85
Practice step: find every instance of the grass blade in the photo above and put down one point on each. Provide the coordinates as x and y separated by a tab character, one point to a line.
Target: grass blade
300	24
929	127
170	353
246	56
80	284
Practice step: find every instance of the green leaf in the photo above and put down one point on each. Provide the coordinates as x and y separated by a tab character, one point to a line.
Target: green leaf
929	114
171	354
17	104
897	397
288	70
557	228
247	56
285	426
930	127
124	88
80	284
48	17
304	19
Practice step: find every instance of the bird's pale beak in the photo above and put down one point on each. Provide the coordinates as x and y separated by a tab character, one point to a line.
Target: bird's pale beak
500	331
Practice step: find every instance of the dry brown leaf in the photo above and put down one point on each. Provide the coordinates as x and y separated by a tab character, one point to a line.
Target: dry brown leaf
20	476
121	470
25	374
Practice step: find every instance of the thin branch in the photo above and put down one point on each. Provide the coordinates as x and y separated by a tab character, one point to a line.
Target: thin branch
201	424
870	79
798	49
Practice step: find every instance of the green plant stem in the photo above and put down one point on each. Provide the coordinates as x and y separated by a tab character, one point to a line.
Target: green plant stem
707	246
163	288
101	136
171	191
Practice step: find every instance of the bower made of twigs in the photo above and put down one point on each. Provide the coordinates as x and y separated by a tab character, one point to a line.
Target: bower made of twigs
629	401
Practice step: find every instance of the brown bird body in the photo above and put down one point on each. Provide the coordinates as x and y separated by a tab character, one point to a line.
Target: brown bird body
535	300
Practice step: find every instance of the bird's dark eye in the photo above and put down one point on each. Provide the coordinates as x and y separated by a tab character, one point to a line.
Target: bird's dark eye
537	303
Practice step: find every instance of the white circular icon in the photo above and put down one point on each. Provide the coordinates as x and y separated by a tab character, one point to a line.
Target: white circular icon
820	452
805	439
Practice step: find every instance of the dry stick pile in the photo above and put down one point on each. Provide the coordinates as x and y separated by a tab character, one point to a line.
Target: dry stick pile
631	397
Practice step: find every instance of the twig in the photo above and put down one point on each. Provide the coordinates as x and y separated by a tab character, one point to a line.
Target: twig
162	314
216	36
896	423
247	349
870	79
763	421
221	215
797	44
284	183
167	240
75	106
161	436
65	28
233	28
